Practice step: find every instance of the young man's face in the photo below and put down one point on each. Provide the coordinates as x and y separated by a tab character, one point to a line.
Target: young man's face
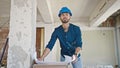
65	17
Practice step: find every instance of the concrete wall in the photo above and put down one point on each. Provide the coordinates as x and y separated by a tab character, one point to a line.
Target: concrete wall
98	47
22	35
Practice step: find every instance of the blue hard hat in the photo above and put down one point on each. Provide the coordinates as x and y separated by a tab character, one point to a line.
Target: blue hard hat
64	10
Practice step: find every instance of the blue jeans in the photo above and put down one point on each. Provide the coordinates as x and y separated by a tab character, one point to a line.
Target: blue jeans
77	64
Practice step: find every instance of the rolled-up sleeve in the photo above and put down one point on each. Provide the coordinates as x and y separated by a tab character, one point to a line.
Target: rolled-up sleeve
78	37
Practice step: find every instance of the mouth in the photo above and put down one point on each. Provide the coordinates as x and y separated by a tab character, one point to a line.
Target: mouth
64	20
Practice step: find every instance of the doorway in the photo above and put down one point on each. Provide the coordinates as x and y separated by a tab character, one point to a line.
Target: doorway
39	41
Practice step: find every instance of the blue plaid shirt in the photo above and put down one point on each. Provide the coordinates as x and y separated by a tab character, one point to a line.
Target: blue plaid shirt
68	40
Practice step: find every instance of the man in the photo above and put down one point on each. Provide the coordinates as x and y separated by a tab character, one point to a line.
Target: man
69	36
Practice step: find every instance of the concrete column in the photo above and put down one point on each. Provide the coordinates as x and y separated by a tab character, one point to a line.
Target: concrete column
22	35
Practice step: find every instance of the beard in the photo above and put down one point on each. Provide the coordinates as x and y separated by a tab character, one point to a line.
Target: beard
65	20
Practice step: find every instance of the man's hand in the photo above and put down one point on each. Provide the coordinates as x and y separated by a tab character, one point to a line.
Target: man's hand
40	59
74	58
45	53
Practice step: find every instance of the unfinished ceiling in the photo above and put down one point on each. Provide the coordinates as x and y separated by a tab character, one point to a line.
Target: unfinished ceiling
87	12
81	9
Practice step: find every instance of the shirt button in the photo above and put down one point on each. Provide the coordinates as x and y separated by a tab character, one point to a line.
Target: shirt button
66	36
68	48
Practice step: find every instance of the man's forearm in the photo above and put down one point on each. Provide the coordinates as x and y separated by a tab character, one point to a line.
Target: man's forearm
45	53
75	56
